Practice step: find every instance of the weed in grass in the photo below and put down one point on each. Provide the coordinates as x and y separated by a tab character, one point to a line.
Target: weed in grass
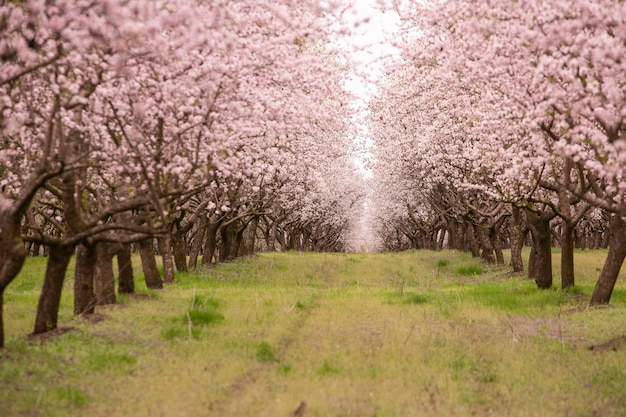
284	368
152	294
413	298
327	369
199	302
405	298
110	361
172	333
574	290
202	317
619	296
265	353
300	306
487	377
469	270
71	396
280	267
203	311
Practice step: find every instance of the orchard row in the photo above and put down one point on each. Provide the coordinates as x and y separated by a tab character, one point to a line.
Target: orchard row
503	122
212	128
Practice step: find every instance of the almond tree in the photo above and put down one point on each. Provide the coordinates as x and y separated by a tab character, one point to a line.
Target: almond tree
540	89
140	106
46	52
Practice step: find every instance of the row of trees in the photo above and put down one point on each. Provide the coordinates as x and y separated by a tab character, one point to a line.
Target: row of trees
212	128
503	119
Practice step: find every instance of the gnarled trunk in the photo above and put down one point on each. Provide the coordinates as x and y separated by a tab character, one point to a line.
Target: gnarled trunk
179	250
540	230
198	240
237	242
470	240
254	224
496	244
271	236
485	244
149	265
165	248
613	263
50	297
210	243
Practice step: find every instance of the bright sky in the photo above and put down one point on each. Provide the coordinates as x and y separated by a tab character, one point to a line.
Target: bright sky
374	22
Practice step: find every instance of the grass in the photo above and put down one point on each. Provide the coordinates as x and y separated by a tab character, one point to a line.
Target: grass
346	334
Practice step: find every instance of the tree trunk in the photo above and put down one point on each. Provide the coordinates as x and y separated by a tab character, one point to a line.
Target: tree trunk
254	224
198	240
179	250
12	256
50	297
210	243
104	277
532	261
225	244
84	296
470	236
237	242
271	236
540	230
441	236
126	281
613	263
494	238
567	255
485	244
306	240
453	239
165	247
517	240
280	237
149	265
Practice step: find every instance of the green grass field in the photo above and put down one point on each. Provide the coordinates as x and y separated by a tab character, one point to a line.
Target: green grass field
292	334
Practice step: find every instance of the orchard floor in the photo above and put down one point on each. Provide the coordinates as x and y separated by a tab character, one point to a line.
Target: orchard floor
300	334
